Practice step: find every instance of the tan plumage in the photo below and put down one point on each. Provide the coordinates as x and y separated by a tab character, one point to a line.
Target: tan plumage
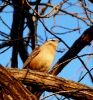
42	57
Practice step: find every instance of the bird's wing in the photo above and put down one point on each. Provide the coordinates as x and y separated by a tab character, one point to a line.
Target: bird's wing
33	54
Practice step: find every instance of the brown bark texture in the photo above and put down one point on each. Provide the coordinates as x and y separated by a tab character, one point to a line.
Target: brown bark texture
48	82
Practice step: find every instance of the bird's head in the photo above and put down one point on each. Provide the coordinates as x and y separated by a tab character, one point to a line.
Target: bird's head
52	42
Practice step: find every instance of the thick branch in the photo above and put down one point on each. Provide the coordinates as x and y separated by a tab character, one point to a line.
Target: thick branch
79	44
54	84
17	31
13	87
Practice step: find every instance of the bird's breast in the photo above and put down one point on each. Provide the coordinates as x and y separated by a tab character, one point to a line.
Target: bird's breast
43	61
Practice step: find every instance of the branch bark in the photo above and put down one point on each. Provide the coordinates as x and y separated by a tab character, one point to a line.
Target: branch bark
52	83
12	88
17	32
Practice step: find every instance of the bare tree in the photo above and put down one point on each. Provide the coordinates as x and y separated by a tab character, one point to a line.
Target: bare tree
30	24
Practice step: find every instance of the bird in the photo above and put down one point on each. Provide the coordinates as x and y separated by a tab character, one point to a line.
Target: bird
42	57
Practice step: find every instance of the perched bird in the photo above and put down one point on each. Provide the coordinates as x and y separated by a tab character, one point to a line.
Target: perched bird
42	57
